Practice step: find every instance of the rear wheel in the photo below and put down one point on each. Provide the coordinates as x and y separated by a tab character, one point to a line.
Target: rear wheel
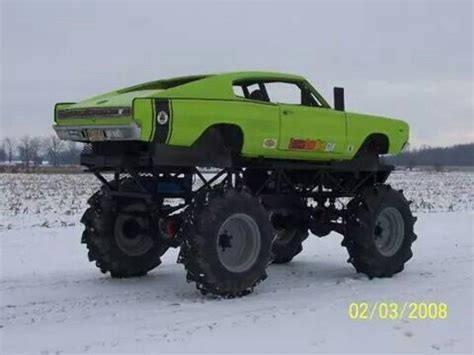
122	237
379	231
288	244
288	220
227	242
290	226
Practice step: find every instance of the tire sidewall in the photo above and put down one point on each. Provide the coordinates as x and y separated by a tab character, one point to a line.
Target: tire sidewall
360	241
157	249
101	240
209	223
392	200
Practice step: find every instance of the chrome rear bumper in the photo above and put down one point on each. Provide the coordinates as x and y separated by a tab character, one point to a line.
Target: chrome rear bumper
98	133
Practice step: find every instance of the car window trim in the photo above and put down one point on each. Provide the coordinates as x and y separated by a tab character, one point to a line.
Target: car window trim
300	83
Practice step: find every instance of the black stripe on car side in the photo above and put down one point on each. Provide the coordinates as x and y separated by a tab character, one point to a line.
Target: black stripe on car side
162	130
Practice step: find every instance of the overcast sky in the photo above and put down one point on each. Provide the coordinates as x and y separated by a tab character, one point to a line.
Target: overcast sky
406	59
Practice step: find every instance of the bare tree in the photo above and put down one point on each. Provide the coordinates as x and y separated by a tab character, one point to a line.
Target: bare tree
3	154
9	144
24	150
53	146
71	145
36	150
71	153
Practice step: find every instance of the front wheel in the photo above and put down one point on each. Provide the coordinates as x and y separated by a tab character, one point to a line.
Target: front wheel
227	243
379	231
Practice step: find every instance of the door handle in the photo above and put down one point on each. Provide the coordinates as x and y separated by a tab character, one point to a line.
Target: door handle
287	112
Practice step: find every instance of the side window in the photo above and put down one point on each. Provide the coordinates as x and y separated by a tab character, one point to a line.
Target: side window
308	98
284	93
238	90
276	92
253	88
255	92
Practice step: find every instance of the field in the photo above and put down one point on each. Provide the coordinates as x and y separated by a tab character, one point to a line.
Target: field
53	300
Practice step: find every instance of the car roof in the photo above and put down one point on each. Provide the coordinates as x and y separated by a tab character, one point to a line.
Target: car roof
243	75
207	86
237	75
219	86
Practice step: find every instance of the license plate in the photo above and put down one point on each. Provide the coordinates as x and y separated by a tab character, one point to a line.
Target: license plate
95	134
74	134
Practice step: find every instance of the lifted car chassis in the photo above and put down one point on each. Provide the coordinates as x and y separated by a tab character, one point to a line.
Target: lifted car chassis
222	218
321	183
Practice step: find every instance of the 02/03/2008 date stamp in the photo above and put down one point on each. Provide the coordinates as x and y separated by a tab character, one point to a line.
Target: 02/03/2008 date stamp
397	310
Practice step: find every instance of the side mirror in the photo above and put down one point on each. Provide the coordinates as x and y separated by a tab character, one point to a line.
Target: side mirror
339	99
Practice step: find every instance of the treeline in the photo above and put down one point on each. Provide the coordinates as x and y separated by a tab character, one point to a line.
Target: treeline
436	157
34	151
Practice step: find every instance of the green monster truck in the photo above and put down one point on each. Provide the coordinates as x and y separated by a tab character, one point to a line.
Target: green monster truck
284	162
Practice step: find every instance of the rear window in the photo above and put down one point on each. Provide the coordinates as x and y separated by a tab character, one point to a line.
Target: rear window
164	84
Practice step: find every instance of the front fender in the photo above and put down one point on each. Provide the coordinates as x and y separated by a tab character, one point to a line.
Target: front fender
359	127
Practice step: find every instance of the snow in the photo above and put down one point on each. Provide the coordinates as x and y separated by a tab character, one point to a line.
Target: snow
52	200
53	300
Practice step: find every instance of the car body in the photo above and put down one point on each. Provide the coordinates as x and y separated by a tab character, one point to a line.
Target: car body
181	115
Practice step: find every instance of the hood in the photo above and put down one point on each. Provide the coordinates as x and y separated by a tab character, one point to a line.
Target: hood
376	119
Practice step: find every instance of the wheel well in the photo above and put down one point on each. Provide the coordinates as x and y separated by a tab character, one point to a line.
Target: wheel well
376	143
231	135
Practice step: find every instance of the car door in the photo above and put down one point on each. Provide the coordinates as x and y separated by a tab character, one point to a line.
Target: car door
312	129
306	127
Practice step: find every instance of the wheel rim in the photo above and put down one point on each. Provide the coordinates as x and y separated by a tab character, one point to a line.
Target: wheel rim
389	231
238	243
132	230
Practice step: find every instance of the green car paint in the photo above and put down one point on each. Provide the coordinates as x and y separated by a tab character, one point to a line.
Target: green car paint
270	129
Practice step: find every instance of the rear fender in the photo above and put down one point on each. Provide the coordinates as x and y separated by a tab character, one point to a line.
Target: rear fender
144	115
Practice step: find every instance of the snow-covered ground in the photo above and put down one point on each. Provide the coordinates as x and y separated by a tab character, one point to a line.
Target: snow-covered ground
53	300
58	200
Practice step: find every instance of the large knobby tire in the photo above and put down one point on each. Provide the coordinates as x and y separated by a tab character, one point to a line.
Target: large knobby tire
227	239
290	226
379	232
122	236
288	243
